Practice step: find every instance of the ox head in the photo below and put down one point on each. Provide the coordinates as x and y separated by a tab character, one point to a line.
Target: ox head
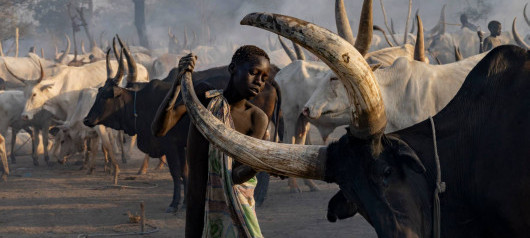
373	170
36	93
109	101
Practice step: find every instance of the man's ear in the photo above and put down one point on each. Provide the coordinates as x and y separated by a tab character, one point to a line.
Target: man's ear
231	68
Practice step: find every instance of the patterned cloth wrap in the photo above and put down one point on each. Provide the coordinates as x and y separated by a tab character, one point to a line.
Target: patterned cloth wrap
230	208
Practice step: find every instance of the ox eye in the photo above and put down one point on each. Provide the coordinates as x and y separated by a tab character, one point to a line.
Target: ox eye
333	79
34	95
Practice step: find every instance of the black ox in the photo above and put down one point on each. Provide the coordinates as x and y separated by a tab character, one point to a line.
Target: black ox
482	140
133	110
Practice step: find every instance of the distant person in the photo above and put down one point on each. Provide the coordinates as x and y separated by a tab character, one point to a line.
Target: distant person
492	40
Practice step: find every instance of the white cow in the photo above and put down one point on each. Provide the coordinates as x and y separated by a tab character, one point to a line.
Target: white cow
74	134
26	67
412	91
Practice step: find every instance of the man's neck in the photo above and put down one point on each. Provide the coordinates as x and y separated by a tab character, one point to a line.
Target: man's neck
234	99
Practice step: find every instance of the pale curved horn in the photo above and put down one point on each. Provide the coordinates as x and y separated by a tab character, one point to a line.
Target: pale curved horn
458	55
119	75
24	81
365	32
299	52
288	51
343	24
41	73
377	28
13	74
347	63
131	64
442	21
419	48
517	37
278	158
109	68
407	23
525	16
66	51
83	47
114	47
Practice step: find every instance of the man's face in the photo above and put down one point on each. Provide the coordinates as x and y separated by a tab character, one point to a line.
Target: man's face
250	77
496	30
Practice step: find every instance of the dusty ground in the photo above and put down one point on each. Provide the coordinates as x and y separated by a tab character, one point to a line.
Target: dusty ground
62	201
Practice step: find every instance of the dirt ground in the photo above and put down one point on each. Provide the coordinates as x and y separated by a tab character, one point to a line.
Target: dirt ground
59	201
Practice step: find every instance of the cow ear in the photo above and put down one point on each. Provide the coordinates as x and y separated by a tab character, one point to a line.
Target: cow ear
116	91
407	156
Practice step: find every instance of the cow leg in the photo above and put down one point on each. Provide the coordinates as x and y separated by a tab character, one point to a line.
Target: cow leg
106	167
102	132
311	184
93	153
261	189
161	162
86	153
121	139
36	141
14	132
293	185
3	157
45	141
145	164
175	169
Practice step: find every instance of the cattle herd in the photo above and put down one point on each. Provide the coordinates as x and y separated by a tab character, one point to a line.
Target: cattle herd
436	143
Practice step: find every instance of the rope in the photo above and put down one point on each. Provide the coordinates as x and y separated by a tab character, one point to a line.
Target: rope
20	147
134	111
440	186
156	229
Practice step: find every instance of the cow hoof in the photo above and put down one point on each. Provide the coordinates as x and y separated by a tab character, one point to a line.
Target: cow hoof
90	171
78	163
124	160
4	177
82	168
295	190
172	209
142	172
35	162
50	164
46	158
13	160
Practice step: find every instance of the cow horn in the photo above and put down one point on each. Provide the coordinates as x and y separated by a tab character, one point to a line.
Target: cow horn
114	47
377	28
343	24
458	55
25	82
386	23
131	64
66	51
185	44
288	51
278	158
347	63
1	50
517	37
83	47
419	48
407	23
365	32
524	14
442	22
299	52
107	61
393	31
414	22
119	75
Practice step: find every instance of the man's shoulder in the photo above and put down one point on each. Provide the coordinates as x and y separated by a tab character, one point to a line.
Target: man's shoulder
257	113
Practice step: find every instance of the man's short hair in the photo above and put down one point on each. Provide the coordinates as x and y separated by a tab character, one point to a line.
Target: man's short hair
493	24
246	52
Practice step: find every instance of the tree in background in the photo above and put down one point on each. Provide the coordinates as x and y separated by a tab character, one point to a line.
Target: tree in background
139	22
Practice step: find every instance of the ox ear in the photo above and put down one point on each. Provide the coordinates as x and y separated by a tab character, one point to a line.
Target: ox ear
46	86
116	91
407	156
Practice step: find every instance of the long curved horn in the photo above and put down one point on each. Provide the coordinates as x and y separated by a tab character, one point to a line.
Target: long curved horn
119	75
299	52
517	37
278	158
24	81
66	51
114	47
377	28
288	51
343	24
436	28
414	22
458	55
407	23
83	47
109	68
393	31
347	63
419	48
14	75
365	32
524	14
386	23
1	50
131	64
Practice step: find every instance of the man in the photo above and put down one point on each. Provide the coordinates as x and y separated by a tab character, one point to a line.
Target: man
492	40
249	70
